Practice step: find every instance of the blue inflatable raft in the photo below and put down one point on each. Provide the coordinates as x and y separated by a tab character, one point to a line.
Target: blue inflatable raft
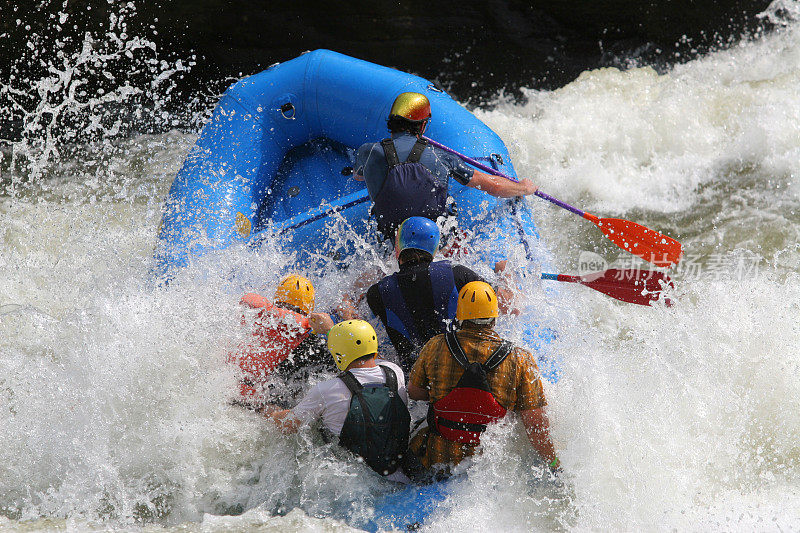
269	163
271	159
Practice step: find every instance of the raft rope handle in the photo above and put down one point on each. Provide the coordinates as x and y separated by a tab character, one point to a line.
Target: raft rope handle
286	108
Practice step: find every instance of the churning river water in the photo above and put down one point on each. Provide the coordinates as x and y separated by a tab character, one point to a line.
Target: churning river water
113	391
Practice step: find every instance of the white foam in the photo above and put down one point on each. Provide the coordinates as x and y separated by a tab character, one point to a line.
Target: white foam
618	140
113	393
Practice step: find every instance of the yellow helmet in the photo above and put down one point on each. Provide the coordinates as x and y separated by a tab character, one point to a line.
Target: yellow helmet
411	106
476	300
297	291
350	340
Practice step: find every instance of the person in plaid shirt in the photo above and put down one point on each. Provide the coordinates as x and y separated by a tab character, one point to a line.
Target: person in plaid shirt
470	379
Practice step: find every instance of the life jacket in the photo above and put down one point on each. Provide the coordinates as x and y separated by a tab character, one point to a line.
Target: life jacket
464	413
445	301
276	333
378	423
409	190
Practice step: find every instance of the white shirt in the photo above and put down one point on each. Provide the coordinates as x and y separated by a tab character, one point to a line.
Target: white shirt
330	401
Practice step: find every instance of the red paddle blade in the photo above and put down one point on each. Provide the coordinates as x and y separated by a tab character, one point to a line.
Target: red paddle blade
634	286
642	242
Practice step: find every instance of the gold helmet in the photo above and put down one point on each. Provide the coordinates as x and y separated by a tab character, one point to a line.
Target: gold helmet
297	291
477	300
350	340
411	106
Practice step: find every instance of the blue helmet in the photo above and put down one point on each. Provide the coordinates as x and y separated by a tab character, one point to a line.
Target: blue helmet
418	233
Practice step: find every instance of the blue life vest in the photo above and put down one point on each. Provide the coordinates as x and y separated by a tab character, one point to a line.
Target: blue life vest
410	190
445	300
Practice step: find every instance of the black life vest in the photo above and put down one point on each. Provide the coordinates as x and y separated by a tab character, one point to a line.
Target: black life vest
377	425
410	190
465	412
399	316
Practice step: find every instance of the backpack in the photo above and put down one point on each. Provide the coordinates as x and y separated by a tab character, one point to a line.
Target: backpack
377	425
464	413
409	190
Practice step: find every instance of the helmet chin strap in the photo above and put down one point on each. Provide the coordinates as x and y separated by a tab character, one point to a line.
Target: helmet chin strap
423	127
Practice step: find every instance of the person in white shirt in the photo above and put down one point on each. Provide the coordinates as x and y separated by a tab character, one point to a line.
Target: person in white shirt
366	405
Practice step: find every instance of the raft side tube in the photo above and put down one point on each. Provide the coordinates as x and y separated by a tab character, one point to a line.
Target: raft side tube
224	191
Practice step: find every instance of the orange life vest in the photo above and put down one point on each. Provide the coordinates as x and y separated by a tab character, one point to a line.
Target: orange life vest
276	333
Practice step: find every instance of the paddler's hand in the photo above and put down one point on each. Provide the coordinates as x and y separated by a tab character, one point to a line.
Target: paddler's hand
347	310
527	187
505	295
505	301
321	323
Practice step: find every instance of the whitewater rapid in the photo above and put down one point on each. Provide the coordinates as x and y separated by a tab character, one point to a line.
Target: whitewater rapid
113	391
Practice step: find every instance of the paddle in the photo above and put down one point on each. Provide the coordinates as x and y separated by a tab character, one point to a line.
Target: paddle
639	240
634	286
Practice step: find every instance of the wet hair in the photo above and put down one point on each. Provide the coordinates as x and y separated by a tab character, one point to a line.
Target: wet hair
364	357
398	124
412	255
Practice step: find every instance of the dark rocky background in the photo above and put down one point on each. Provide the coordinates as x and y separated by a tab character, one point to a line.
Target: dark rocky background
473	49
497	43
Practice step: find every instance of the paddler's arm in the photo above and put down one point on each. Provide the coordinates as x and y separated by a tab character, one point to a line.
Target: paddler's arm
362	154
538	430
346	309
505	294
417	393
255	301
321	323
501	187
282	418
531	405
252	300
417	386
310	408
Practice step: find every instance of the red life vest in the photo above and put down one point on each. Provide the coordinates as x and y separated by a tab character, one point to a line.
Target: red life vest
465	412
276	333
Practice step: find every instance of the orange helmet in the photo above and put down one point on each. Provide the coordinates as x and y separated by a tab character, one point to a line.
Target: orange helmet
477	300
297	291
411	106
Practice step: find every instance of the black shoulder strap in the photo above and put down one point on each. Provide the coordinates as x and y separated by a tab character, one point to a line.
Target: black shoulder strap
391	378
352	383
416	151
390	152
355	386
498	356
455	349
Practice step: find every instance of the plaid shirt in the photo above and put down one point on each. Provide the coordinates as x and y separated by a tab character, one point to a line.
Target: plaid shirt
515	384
